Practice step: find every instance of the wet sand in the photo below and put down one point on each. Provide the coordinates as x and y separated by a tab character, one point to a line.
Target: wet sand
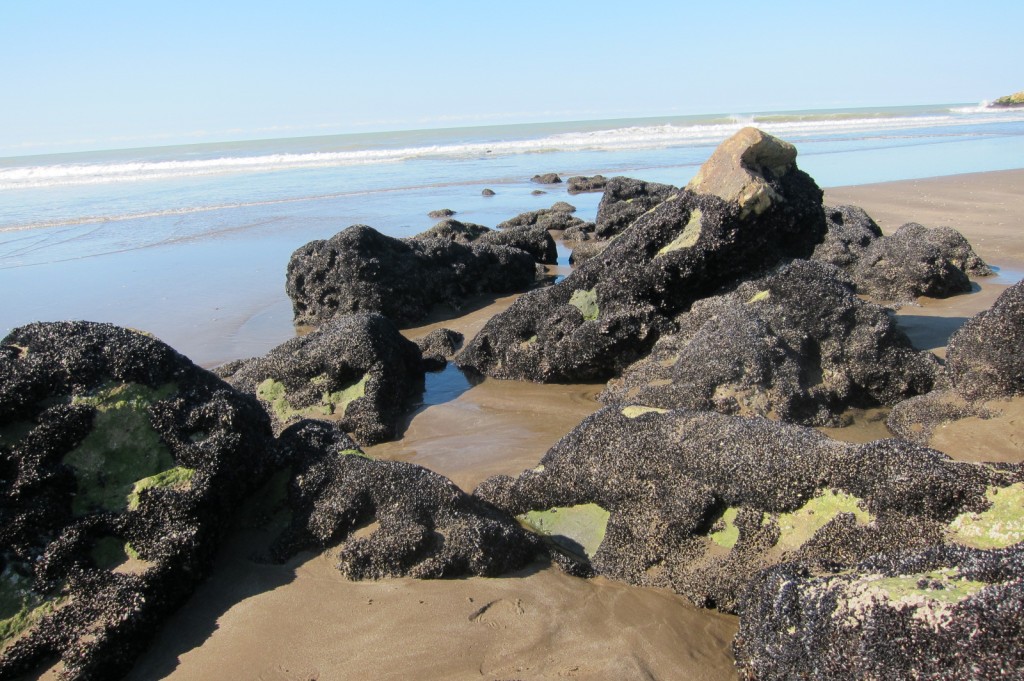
305	621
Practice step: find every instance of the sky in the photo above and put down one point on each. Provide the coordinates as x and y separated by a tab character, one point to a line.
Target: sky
103	74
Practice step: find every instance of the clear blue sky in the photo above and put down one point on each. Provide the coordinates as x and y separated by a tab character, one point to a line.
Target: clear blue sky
81	74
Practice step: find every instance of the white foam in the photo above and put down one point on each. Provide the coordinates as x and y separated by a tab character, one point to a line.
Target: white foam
615	139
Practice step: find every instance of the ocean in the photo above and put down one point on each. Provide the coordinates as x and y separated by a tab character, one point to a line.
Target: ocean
191	242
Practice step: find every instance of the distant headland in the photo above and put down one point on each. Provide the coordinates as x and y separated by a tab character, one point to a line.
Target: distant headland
1014	100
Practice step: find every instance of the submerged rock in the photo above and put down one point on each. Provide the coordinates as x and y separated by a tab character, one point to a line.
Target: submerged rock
701	502
943	613
393	519
487	192
546	178
357	370
612	308
626	199
441	213
362	270
120	465
914	261
796	344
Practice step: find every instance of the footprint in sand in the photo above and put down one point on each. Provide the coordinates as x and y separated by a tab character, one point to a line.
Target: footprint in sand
499	614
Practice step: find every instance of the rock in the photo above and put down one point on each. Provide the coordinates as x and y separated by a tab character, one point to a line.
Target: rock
362	270
546	178
538	192
942	613
453	230
487	192
914	261
917	418
558	218
626	199
797	345
441	213
532	239
579	184
701	502
581	232
121	463
438	346
394	519
611	309
586	250
742	170
1008	101
983	357
850	232
356	369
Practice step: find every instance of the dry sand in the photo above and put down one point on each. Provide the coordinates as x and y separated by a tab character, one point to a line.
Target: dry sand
305	621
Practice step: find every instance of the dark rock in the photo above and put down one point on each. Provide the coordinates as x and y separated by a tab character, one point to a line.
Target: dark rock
917	418
943	613
538	192
563	206
581	232
546	178
441	213
487	192
983	357
700	502
558	217
611	309
120	465
356	369
532	239
914	261
796	344
453	230
362	270
585	250
625	200
414	522
850	232
438	346
579	184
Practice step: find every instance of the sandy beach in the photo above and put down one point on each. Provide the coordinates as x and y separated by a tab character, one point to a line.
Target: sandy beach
303	620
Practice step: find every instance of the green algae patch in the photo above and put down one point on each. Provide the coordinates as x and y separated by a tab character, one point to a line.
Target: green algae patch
121	448
337	402
688	237
798	527
586	302
178	477
575	529
1002	525
758	297
730	533
355	452
274	394
20	607
944	585
635	410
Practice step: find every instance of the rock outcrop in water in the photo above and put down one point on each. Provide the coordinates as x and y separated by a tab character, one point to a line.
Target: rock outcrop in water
533	239
612	308
796	344
362	270
120	465
579	184
357	370
914	261
557	218
701	502
943	613
393	518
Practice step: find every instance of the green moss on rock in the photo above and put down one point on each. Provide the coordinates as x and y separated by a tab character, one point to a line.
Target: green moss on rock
121	448
575	529
20	606
178	477
586	302
1002	525
688	237
730	533
799	526
275	395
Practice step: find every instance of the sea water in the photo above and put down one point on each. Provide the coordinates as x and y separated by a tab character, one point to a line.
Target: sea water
191	242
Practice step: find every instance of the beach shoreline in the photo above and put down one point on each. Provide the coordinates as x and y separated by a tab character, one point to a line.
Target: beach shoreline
303	620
